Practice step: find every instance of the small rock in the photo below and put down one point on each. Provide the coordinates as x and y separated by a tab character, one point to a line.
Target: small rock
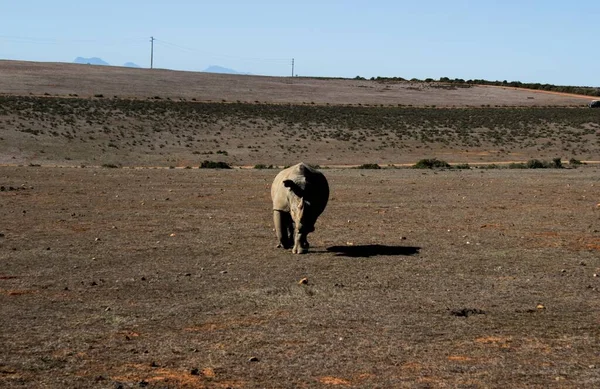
303	281
253	359
195	371
540	306
97	240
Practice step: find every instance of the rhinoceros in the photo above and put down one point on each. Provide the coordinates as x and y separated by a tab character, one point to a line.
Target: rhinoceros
300	194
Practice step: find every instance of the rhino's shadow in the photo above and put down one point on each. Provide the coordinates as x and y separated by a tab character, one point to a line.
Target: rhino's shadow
371	250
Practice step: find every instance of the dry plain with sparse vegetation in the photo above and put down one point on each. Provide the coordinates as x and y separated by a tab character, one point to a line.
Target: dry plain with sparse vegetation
145	276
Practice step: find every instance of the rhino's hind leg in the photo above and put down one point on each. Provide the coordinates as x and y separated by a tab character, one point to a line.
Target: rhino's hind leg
304	242
283	225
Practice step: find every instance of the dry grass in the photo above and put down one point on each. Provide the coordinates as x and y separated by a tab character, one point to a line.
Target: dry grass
61	79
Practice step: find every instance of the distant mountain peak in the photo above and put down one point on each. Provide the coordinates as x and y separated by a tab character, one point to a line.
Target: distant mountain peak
221	69
91	61
131	65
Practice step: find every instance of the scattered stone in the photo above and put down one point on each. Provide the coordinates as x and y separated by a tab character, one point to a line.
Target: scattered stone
466	312
253	359
195	371
540	306
303	281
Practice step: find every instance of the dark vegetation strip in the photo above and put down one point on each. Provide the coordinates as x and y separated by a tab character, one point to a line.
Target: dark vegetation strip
509	126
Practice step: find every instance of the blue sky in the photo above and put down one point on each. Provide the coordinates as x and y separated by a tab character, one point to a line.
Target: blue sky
548	41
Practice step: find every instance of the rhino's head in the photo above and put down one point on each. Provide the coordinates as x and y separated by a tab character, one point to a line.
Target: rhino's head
300	208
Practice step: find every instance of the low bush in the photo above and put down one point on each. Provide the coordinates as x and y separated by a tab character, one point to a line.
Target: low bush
263	166
369	166
465	166
214	165
431	163
575	162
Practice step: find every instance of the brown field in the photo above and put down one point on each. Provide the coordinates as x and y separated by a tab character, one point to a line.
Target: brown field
169	278
62	79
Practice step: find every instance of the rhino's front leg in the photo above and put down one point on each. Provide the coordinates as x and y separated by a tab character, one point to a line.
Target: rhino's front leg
300	243
282	221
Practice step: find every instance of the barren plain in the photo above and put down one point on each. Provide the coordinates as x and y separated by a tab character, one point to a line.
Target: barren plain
143	276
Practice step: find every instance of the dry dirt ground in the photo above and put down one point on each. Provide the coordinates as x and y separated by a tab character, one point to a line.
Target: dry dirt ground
169	278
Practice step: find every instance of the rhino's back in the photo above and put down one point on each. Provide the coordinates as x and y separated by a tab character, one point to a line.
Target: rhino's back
313	181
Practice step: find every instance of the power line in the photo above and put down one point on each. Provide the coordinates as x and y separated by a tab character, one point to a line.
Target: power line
189	49
22	39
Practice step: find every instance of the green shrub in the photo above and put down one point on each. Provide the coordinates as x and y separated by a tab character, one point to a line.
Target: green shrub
557	163
517	165
575	162
462	166
263	166
214	165
536	164
431	163
369	166
490	166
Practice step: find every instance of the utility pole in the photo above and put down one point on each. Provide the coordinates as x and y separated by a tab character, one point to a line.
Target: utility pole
151	52
292	67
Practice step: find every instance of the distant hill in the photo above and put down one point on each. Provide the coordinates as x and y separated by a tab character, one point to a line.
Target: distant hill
222	70
91	61
131	65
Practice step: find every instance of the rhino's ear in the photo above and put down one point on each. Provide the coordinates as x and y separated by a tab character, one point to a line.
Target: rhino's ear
293	187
